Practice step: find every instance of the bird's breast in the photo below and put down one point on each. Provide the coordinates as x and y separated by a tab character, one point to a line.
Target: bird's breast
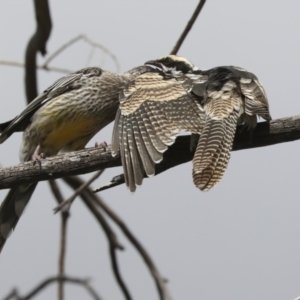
73	134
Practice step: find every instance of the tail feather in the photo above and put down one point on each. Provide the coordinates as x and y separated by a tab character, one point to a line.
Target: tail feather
12	208
3	128
213	151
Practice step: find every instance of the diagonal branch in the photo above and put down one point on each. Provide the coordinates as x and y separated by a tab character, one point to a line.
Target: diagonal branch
89	198
96	199
188	26
93	159
66	204
159	280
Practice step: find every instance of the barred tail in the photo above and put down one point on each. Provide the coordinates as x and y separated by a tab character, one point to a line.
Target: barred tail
213	151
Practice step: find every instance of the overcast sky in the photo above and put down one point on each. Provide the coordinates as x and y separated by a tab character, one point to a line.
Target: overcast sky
239	241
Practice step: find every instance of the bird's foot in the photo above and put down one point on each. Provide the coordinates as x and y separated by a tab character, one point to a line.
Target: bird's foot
37	156
101	145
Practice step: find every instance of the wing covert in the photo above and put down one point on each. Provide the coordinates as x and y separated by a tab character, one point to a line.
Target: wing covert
153	110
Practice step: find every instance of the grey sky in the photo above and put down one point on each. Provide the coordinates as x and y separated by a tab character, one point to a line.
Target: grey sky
238	241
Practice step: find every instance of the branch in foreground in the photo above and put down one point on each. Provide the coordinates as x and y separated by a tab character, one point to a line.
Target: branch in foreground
63	237
93	159
66	204
89	198
159	280
83	282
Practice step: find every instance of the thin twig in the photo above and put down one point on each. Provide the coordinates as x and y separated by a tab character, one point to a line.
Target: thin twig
159	280
60	50
188	27
65	205
115	181
89	199
91	55
63	237
83	282
39	67
104	49
87	40
45	66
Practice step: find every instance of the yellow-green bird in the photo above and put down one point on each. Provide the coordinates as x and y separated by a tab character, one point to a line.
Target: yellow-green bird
63	118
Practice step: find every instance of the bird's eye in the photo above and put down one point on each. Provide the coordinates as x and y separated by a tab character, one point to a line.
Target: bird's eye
168	60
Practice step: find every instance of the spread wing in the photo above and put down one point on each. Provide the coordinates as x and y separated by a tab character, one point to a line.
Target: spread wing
62	85
153	110
232	94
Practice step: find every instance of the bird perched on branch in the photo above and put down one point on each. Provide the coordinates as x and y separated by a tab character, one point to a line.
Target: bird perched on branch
174	95
229	96
154	108
63	118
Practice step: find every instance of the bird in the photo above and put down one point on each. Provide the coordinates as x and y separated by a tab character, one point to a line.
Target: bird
230	96
154	108
62	118
172	95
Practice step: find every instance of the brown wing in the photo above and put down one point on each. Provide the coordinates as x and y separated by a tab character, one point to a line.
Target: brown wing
232	95
256	102
222	109
153	110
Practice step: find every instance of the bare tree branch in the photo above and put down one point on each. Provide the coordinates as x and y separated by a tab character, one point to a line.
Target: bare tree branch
63	237
159	280
105	50
63	47
89	198
65	205
39	67
37	44
83	282
188	27
92	43
93	159
45	66
87	195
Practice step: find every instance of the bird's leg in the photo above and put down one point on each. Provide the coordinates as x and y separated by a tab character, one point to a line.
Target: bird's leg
37	156
101	145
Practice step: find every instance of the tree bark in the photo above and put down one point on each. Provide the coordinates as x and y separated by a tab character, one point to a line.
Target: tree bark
92	159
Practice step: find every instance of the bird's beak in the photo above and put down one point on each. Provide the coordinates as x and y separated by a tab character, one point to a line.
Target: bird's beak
155	64
151	62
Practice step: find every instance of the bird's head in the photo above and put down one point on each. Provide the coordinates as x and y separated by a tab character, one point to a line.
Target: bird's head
171	63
